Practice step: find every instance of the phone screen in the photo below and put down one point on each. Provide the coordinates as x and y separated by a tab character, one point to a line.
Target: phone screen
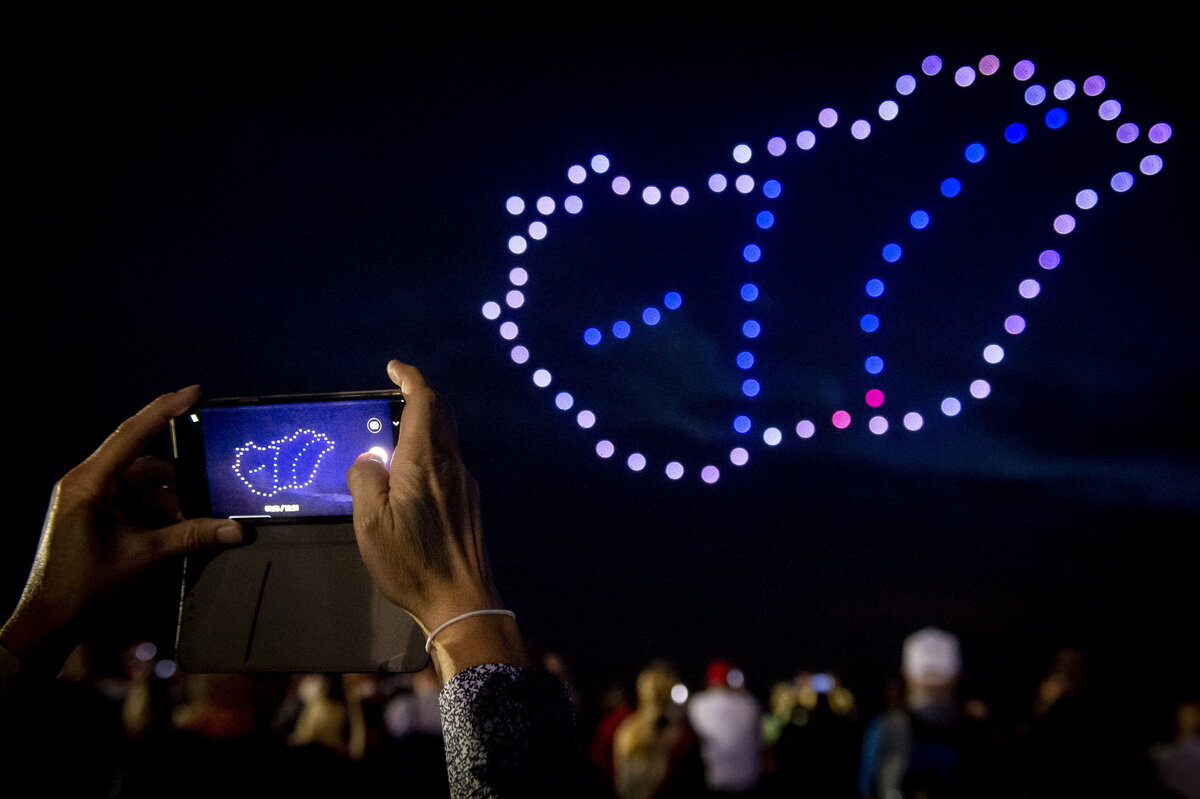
286	459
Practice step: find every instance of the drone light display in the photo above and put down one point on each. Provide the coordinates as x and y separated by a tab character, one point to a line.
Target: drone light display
754	185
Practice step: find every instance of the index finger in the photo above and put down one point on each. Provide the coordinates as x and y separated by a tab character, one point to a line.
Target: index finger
125	444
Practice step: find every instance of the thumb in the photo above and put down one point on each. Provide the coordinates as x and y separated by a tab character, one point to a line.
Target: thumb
197	535
368	483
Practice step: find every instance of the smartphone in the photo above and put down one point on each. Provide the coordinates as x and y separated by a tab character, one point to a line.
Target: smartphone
297	596
281	458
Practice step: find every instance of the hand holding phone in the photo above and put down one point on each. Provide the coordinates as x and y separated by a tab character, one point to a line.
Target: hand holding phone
418	527
98	534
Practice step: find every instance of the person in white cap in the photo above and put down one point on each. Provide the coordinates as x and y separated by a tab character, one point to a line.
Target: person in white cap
927	748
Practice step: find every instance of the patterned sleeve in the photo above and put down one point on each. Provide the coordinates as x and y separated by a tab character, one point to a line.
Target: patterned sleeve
509	732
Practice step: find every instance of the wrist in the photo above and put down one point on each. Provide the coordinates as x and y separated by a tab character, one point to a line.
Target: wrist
475	640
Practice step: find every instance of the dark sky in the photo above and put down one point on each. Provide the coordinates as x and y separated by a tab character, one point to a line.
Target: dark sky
267	210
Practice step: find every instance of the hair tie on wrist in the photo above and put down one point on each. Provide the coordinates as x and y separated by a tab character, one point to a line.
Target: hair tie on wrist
445	624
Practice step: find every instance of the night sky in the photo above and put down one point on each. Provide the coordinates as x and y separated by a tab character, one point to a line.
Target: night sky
266	210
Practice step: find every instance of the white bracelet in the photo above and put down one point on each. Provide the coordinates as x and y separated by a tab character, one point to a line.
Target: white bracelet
445	624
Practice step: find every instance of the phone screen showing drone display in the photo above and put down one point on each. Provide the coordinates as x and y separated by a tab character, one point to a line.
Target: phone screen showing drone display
280	458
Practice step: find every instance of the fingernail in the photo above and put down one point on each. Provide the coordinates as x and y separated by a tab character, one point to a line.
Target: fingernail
369	456
230	534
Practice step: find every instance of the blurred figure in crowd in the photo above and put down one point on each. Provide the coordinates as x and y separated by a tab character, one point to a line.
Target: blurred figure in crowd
929	748
615	707
655	751
728	720
817	748
1178	762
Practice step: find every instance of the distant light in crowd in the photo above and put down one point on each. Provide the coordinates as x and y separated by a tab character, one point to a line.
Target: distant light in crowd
514	299
600	164
878	425
636	462
741	153
805	428
674	470
772	436
679	692
717	182
545	205
980	389
710	474
491	310
585	419
651	195
993	353
605	449
515	205
1029	288
518	276
541	378
564	401
951	406
840	420
519	354
508	330
738	456
913	421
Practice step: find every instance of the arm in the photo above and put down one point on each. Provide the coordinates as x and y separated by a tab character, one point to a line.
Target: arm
509	730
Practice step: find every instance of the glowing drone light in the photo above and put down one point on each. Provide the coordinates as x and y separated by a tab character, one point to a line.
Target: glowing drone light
748	161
